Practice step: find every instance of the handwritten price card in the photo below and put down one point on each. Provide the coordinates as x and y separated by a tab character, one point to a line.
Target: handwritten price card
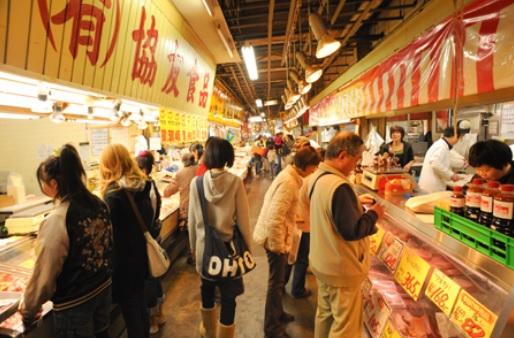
375	240
390	251
411	273
376	314
390	331
442	291
472	317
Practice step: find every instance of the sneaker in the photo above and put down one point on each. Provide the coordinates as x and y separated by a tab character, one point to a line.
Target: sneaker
306	293
286	317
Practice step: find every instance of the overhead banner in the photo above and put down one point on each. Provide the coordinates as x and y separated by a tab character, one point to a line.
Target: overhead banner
467	54
138	49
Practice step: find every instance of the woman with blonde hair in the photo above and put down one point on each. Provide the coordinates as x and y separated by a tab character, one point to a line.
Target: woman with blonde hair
122	180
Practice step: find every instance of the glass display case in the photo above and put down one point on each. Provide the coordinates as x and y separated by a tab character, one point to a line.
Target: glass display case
423	283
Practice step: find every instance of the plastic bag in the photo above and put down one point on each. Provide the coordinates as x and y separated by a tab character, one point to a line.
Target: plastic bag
372	144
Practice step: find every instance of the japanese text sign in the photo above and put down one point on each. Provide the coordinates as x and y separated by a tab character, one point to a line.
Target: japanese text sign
476	320
442	291
411	273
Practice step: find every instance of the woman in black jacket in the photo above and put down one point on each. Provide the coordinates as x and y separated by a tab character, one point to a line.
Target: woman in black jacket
122	177
398	148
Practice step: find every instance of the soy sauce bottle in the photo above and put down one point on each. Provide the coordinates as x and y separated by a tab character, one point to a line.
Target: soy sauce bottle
486	205
457	201
474	199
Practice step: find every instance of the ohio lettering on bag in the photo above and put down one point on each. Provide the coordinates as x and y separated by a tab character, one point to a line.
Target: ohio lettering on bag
236	266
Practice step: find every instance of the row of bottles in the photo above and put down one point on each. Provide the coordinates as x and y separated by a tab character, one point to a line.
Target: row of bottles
489	204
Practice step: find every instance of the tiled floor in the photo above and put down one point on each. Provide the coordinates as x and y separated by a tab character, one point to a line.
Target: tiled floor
182	304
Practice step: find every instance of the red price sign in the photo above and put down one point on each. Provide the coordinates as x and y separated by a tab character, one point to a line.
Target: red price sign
411	273
442	291
390	251
476	320
376	313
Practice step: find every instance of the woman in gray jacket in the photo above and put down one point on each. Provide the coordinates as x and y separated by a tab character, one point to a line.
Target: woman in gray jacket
227	206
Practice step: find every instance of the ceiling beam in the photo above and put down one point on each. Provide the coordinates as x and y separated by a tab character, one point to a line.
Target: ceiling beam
270	35
338	10
251	90
294	7
236	79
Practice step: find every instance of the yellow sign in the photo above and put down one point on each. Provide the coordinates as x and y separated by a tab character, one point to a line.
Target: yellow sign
476	320
442	291
375	241
390	331
139	49
411	273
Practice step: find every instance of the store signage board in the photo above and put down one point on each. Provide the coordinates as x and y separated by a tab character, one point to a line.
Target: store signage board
376	313
476	320
390	331
412	273
375	240
99	140
442	291
142	50
390	251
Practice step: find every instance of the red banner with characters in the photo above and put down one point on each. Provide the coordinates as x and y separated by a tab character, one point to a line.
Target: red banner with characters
467	54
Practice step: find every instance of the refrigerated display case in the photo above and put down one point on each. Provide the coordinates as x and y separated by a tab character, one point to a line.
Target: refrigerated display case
424	283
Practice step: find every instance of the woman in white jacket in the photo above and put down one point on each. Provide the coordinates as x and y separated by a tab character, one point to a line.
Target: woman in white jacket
437	165
274	228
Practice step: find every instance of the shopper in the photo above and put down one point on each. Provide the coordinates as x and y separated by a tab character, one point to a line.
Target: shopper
122	178
492	161
436	170
398	148
73	267
153	290
197	150
339	241
227	205
274	230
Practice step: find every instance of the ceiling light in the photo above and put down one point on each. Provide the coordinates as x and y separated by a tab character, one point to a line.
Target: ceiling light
263	115
15	116
270	103
303	86
327	45
251	64
312	72
207	6
225	43
255	119
295	96
258	102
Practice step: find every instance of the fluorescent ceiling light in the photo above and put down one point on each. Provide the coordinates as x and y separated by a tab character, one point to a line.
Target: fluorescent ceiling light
225	43
15	116
258	102
207	7
251	64
270	103
255	119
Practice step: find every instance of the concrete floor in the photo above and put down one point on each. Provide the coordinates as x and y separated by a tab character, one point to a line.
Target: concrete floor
182	285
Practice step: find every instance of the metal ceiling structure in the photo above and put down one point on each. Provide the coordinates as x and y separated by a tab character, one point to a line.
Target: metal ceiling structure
278	28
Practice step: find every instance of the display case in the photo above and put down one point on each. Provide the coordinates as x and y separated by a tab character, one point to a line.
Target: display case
424	283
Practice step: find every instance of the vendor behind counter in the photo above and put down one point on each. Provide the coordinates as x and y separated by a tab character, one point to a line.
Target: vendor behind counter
492	161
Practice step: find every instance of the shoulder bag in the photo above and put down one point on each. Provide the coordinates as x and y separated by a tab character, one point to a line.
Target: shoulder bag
222	260
158	260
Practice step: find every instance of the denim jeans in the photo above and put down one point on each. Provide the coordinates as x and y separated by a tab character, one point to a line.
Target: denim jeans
276	281
300	267
88	320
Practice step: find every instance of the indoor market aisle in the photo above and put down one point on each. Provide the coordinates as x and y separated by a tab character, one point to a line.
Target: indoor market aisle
182	305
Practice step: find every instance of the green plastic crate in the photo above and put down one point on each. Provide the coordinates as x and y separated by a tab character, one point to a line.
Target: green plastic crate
489	242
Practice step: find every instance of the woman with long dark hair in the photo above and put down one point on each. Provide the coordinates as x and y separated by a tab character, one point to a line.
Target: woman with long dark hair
74	245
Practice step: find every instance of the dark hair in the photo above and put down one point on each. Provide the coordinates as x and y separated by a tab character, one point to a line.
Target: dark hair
145	161
491	152
67	170
321	153
343	141
305	157
397	129
188	159
450	132
218	153
198	148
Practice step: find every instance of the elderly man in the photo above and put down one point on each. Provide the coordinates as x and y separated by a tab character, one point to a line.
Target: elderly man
340	228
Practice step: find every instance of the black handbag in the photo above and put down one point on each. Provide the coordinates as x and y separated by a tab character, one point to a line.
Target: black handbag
222	260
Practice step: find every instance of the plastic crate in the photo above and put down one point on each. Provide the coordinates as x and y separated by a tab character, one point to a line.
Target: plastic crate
489	242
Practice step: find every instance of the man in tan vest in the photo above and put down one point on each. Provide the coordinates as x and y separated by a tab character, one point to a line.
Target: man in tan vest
340	228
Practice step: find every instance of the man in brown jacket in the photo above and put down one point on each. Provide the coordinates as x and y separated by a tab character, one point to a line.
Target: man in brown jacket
339	255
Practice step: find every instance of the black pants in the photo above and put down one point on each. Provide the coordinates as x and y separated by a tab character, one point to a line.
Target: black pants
276	282
300	267
229	290
136	316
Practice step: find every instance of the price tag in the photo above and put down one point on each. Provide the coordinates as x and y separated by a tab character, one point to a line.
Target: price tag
411	273
376	313
442	291
472	317
390	331
390	251
28	264
375	240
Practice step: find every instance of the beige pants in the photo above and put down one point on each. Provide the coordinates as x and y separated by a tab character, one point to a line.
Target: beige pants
339	312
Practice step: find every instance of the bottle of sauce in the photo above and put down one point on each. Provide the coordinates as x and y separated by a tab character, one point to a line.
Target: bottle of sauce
503	210
474	199
457	201
486	205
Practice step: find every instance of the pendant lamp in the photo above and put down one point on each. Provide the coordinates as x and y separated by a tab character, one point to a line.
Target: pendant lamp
303	86
312	72
327	45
